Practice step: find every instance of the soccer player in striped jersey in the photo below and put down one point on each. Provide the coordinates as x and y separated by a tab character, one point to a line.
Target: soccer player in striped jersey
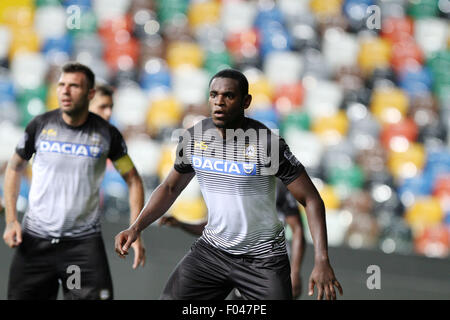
236	160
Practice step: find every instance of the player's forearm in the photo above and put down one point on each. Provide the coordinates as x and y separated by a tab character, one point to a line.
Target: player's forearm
136	198
298	244
13	177
297	250
195	229
160	201
315	212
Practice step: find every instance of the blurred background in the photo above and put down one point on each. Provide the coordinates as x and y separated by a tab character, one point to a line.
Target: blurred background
359	89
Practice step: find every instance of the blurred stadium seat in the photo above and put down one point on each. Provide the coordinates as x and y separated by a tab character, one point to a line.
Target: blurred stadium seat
366	110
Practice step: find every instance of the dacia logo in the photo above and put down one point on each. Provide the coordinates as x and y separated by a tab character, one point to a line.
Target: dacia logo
223	166
200	145
74	149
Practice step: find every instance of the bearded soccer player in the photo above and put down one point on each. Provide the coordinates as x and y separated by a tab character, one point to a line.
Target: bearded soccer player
236	160
60	233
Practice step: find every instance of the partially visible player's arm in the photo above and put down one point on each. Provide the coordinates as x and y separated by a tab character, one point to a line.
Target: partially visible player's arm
14	171
162	198
194	229
322	276
297	252
135	186
288	206
160	201
129	173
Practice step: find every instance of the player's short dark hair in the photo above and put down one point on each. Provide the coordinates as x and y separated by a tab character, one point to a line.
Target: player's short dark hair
236	75
72	67
104	90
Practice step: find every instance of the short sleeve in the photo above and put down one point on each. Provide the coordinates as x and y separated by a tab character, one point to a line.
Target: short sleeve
26	146
118	147
182	162
289	167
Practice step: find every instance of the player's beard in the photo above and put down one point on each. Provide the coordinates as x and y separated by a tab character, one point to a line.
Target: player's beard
231	122
79	108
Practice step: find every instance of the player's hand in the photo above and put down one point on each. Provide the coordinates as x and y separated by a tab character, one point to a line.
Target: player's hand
13	234
169	221
296	281
124	240
323	277
139	253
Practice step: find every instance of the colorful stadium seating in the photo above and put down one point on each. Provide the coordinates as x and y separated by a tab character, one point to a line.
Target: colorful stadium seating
366	110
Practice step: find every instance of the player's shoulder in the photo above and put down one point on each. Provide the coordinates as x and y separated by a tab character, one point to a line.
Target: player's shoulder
98	120
101	123
43	119
261	128
255	124
47	116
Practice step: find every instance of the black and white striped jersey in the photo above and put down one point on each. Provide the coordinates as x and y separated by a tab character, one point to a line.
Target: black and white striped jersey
237	177
68	168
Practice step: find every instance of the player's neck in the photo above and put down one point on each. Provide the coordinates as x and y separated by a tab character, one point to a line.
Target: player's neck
75	120
238	124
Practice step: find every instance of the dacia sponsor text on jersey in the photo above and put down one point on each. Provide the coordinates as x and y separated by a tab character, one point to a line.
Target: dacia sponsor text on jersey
75	149
222	166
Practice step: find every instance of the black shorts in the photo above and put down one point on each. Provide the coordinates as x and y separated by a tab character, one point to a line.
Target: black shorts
80	265
208	273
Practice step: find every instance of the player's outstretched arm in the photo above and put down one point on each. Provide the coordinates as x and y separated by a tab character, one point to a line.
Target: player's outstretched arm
322	275
160	201
13	231
136	201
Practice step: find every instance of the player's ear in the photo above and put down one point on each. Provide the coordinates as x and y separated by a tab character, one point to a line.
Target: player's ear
247	101
91	94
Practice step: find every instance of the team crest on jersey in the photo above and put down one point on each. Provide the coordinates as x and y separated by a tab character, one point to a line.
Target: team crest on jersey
250	151
95	138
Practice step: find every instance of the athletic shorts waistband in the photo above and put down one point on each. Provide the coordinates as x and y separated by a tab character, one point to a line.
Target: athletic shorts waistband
205	244
61	239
